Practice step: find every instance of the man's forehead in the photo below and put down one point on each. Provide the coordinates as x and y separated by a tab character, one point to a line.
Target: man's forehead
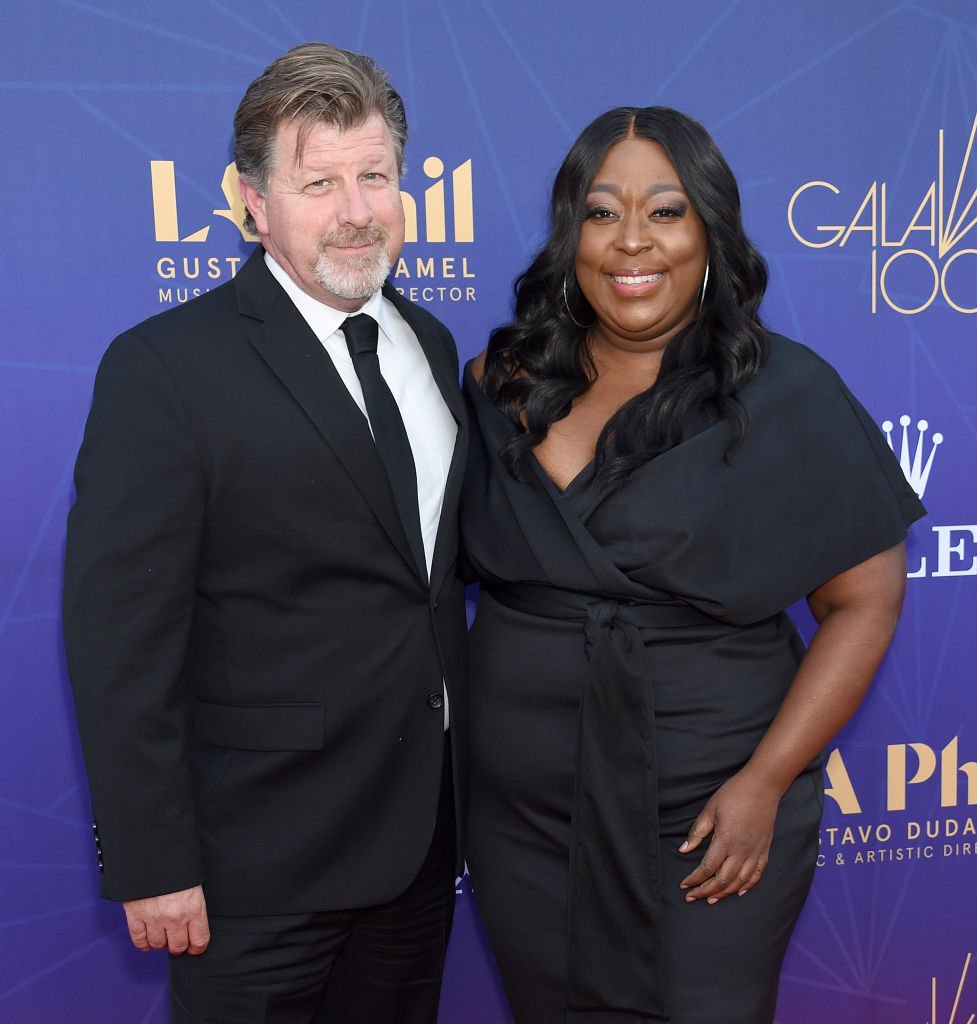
298	143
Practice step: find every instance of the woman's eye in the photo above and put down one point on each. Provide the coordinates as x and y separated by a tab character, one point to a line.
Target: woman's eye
599	213
667	211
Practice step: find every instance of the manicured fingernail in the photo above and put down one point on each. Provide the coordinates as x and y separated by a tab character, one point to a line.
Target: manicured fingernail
690	899
742	892
684	846
712	899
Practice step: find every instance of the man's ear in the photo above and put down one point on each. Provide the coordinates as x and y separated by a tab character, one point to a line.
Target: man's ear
255	202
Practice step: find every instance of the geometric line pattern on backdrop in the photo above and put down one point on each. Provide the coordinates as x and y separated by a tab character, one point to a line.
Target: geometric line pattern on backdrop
849	952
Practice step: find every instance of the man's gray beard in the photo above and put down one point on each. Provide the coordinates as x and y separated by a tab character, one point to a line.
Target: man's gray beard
357	277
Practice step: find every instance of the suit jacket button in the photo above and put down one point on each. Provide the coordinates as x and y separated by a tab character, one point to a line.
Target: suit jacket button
434	700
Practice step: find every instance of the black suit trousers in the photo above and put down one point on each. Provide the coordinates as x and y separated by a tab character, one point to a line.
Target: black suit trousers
372	965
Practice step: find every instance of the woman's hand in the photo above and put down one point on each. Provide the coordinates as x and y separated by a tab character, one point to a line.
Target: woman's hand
856	611
740	816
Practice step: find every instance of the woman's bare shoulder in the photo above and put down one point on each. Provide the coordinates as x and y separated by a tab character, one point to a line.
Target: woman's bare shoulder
477	366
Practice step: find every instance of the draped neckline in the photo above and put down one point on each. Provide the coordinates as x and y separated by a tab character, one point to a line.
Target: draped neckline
579	482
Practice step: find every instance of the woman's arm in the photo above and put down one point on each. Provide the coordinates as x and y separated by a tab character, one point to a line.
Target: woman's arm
856	612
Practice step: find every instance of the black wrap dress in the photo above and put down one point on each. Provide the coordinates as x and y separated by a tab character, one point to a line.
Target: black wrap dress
630	649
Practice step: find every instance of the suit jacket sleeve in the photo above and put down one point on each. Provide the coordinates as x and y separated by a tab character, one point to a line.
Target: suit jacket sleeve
130	569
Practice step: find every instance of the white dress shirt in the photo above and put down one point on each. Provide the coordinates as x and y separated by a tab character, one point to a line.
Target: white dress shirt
431	429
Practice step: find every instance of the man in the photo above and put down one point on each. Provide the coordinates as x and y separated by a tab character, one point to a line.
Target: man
261	612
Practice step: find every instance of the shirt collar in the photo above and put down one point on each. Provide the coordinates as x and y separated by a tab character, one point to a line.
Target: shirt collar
321	317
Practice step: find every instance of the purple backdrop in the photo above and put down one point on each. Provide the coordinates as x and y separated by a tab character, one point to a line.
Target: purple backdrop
850	125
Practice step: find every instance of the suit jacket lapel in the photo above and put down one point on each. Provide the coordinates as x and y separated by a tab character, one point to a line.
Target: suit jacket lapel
285	342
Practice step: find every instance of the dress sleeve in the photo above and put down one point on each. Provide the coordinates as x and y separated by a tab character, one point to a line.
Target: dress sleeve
811	491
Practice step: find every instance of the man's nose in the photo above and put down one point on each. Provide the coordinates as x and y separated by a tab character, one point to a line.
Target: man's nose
354	207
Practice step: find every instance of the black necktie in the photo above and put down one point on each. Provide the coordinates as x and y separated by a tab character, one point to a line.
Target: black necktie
389	432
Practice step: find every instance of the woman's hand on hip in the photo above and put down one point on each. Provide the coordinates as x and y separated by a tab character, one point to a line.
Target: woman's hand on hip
740	817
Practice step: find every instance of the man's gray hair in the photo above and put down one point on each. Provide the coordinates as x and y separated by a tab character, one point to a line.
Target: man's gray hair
312	84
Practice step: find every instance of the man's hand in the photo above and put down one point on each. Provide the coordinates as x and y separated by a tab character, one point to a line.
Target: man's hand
176	921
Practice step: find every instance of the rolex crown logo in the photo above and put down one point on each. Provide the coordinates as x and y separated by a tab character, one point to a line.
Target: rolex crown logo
915	463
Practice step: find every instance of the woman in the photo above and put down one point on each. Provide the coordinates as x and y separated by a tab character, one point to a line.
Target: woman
654	480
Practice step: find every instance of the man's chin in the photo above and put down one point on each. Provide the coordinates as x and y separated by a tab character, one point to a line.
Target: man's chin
351	294
350	286
345	289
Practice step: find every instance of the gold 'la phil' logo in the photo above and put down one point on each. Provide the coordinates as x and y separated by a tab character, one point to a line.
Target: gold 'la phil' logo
167	223
910	279
909	765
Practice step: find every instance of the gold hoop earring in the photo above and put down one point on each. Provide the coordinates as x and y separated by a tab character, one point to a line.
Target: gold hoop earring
583	327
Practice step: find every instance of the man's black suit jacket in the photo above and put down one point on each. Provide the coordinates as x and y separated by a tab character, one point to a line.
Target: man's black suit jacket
257	665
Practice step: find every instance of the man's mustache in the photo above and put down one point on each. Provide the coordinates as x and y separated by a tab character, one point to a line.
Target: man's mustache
354	236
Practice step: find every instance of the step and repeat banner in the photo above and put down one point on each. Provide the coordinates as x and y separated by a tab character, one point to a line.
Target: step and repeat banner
851	127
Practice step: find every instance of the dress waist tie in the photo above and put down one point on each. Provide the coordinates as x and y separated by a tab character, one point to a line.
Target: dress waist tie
616	966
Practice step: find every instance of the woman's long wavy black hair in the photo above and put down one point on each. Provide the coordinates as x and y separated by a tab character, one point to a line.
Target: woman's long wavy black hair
539	363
